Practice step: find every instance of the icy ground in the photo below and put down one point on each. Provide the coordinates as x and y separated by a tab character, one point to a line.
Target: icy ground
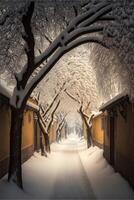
70	172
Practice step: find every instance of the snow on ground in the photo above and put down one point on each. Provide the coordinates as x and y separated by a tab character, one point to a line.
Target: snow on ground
105	182
73	143
65	174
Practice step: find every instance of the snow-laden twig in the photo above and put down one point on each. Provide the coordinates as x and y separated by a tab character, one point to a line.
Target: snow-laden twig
106	9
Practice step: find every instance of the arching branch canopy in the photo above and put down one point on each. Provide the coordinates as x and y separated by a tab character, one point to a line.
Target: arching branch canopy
70	38
82	25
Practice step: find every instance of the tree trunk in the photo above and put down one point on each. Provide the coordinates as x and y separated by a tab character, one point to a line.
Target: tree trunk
15	171
89	138
47	143
57	136
45	135
89	143
43	153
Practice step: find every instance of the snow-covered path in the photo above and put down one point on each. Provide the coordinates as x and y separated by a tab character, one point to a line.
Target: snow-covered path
62	177
69	172
69	178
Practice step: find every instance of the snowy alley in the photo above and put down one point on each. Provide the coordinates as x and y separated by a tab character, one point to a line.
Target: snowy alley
67	99
70	172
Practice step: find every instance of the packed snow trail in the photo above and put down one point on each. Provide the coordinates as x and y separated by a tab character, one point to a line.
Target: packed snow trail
71	181
60	176
64	176
69	172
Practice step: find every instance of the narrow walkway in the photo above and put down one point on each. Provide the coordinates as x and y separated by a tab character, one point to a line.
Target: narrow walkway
68	174
61	177
71	181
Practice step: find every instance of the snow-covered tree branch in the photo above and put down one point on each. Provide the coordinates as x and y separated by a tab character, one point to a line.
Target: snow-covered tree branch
82	24
79	21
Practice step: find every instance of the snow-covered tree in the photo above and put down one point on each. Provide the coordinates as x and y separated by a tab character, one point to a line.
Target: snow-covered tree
85	112
92	25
